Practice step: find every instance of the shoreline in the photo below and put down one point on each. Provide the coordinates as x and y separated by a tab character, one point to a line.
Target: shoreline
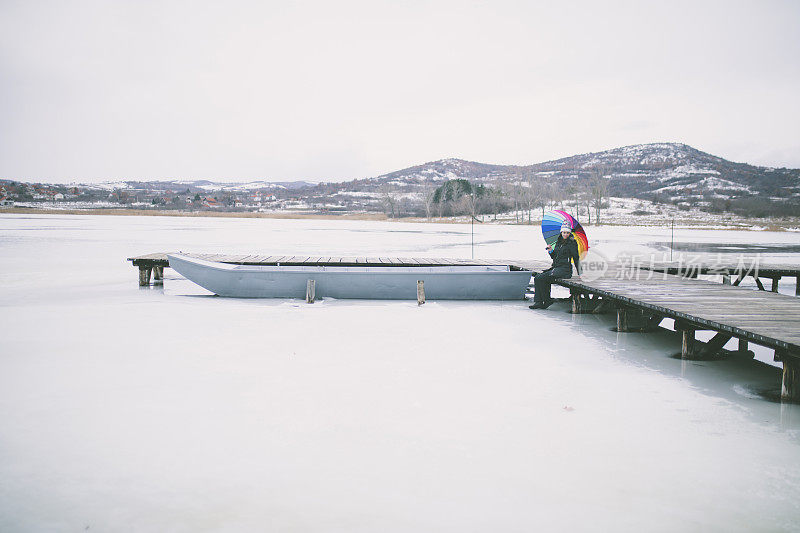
741	225
191	214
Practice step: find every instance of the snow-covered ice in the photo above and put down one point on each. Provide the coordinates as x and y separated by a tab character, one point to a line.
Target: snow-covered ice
167	409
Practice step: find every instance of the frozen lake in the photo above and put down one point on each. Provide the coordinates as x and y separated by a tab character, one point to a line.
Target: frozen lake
167	409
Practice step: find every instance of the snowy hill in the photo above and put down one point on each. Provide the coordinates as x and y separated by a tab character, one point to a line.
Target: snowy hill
677	172
669	172
445	169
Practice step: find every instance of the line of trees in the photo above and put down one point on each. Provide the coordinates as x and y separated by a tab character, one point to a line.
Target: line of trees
524	196
579	196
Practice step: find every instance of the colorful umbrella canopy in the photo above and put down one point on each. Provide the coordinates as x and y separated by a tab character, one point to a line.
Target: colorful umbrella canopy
551	227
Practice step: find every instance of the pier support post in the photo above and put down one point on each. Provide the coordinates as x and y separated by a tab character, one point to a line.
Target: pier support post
310	291
158	275
420	292
743	347
635	320
144	276
713	349
621	319
584	303
575	296
790	384
775	283
797	286
726	279
687	343
715	346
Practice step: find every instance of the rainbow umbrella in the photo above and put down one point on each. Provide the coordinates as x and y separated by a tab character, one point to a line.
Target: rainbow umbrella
551	228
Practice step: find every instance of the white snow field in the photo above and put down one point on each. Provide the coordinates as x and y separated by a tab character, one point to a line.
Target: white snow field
168	409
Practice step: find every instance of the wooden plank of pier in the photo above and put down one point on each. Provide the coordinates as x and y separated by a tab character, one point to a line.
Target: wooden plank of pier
710	267
739	271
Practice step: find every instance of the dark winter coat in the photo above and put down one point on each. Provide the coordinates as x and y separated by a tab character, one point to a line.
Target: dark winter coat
562	252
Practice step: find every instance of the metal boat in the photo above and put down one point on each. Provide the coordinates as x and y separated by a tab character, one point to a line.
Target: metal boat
456	282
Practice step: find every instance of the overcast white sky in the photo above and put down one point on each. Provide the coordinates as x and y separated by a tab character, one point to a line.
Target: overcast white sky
237	90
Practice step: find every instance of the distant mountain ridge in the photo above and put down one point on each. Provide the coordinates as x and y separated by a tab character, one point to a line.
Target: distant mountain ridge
671	171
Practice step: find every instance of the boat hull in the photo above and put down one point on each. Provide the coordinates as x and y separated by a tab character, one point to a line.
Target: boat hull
380	283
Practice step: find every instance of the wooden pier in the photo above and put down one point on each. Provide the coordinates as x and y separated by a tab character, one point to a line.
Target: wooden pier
641	298
732	274
731	312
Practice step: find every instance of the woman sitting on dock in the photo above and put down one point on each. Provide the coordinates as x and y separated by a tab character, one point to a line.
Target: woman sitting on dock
566	248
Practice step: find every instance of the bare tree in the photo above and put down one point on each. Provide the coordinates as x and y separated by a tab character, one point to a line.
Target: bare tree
465	205
599	192
518	193
585	194
428	193
494	200
389	200
572	193
556	194
539	193
530	196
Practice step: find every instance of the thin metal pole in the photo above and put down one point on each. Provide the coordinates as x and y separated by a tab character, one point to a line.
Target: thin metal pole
472	220
672	240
